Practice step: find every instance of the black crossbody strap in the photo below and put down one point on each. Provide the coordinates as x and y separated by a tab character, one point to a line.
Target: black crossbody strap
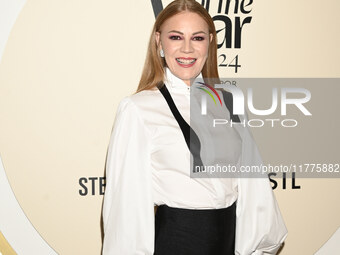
181	122
228	100
195	147
187	131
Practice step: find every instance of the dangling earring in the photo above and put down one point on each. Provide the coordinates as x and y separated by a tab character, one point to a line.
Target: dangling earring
161	52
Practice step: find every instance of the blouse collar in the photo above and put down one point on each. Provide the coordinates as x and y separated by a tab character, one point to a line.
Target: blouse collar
176	84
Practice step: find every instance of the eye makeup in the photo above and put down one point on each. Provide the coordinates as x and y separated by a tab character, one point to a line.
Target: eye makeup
198	38
175	37
195	38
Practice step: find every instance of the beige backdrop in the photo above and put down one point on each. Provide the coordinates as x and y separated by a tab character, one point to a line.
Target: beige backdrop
67	64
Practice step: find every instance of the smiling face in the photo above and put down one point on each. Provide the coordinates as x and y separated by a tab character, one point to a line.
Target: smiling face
185	40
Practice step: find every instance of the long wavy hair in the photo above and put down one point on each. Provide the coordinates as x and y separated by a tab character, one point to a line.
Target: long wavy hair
153	71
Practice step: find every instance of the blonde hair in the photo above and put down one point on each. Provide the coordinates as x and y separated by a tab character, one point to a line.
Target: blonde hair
153	71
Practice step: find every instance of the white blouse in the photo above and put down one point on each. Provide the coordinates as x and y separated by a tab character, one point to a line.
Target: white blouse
148	164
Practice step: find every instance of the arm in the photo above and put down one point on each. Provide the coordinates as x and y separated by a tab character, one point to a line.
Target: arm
260	228
128	209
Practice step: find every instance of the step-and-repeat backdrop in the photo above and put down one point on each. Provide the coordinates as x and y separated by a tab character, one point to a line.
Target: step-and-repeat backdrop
65	65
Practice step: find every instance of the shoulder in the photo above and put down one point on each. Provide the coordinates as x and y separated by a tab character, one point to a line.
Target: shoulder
144	96
143	100
134	100
134	111
143	105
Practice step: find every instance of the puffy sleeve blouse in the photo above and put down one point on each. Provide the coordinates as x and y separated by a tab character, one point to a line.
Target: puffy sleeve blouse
148	164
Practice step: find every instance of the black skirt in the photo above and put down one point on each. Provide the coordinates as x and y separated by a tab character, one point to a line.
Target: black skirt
195	232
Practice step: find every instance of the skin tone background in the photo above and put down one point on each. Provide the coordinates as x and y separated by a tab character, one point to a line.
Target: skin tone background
66	66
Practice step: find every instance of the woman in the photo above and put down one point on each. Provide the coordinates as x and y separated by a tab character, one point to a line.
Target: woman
148	159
